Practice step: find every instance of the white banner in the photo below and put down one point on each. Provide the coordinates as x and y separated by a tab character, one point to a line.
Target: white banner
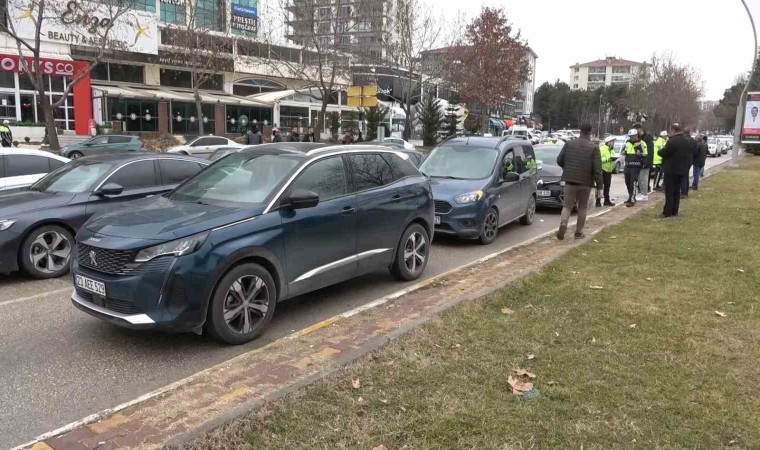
78	22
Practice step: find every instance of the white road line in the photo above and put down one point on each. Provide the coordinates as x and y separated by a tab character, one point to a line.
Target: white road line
35	297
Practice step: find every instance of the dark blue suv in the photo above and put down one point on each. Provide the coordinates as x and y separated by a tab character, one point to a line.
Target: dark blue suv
253	229
481	184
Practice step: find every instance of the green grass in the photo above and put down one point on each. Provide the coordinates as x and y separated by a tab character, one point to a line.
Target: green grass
683	377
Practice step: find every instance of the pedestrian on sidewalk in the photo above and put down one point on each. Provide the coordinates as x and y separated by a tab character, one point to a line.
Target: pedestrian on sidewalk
694	150
635	153
608	166
677	157
646	164
6	135
699	163
581	165
254	137
657	159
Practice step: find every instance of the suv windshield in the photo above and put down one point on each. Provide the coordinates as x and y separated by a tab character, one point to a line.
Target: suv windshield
74	178
460	162
238	180
548	155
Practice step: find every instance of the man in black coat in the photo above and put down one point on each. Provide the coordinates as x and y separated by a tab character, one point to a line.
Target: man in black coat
699	162
677	157
694	151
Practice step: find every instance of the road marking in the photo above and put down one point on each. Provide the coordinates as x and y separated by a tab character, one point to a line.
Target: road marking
35	297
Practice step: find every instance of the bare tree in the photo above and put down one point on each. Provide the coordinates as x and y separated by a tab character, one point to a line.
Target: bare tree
203	53
29	23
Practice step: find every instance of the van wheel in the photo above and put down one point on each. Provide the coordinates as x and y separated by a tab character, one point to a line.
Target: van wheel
46	252
530	213
490	227
242	305
412	253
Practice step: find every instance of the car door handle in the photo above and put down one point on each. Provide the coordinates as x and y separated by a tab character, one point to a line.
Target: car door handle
396	197
348	210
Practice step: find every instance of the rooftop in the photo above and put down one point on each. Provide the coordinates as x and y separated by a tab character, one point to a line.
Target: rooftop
610	61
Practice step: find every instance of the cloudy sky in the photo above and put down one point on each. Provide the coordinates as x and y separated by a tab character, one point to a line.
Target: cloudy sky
713	36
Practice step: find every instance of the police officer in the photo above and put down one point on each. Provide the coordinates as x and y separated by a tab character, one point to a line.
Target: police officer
608	166
5	134
635	155
657	159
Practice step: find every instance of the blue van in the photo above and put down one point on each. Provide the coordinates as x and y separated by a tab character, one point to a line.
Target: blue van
219	251
481	184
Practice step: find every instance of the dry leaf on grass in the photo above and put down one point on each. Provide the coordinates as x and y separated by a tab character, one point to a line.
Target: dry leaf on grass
593	340
380	447
556	334
720	314
356	383
519	387
633	325
613	237
531	356
596	241
457	345
596	287
523	373
507	311
650	279
740	270
551	383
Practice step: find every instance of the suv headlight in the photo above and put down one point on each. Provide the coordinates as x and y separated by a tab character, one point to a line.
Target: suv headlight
180	247
469	198
5	224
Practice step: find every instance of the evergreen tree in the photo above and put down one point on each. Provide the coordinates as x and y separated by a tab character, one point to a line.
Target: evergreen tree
451	119
374	116
431	119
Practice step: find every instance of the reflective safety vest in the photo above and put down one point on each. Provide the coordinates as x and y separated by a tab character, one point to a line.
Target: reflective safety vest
631	158
658	145
608	161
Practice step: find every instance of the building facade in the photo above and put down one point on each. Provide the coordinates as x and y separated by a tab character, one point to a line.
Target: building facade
604	72
524	105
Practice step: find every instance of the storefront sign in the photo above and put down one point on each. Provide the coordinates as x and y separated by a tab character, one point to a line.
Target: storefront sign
245	18
10	63
221	63
85	23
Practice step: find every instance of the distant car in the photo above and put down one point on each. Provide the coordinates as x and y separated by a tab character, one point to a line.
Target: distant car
728	143
714	147
105	144
20	168
37	225
549	188
481	184
203	146
407	145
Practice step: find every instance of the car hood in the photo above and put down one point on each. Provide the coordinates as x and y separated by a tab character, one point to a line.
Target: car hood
444	187
162	219
549	170
20	202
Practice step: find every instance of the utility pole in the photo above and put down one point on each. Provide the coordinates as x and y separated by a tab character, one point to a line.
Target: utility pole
742	100
599	125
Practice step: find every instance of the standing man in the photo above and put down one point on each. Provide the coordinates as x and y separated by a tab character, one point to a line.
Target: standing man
5	134
635	154
608	166
677	156
657	159
294	135
254	137
582	169
646	164
699	162
694	150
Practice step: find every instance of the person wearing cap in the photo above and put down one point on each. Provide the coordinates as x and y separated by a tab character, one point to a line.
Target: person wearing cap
635	155
657	159
677	156
646	164
608	166
5	134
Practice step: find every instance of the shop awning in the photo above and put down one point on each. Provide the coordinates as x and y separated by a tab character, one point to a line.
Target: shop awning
159	93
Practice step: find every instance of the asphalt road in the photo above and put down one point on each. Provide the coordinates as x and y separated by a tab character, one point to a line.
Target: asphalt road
58	365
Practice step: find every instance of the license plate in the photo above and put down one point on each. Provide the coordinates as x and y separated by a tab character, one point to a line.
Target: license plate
544	193
437	220
93	286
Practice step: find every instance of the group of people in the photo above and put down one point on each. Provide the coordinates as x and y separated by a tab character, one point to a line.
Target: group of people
254	137
669	157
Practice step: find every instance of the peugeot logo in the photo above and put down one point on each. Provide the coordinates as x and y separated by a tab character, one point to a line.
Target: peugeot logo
93	260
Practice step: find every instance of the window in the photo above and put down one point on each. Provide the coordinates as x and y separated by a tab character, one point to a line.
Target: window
126	72
173	12
520	160
209	141
136	175
54	163
577	69
101	140
20	165
326	177
175	172
509	161
7	79
146	5
213	83
118	139
210	14
401	168
176	78
370	171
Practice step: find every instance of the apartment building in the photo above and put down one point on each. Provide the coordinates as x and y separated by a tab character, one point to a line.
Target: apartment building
604	72
524	105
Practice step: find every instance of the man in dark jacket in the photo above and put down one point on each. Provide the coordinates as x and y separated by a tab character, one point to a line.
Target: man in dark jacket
646	164
699	162
677	156
582	170
254	137
694	150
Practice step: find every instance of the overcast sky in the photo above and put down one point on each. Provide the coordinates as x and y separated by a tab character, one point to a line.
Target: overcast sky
713	36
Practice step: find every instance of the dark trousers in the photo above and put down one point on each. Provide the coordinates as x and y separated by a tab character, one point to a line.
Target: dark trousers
657	176
631	178
607	177
684	185
673	184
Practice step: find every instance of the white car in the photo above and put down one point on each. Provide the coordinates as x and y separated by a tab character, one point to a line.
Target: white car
398	141
202	146
21	167
714	147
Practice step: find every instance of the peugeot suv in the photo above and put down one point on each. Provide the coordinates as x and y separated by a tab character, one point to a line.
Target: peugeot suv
218	252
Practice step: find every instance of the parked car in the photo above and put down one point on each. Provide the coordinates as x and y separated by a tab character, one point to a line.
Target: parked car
416	157
714	147
549	188
254	229
20	168
405	144
37	225
203	146
728	143
481	184
105	144
299	147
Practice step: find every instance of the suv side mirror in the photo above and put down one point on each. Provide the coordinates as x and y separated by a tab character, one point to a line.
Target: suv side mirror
110	189
511	177
301	199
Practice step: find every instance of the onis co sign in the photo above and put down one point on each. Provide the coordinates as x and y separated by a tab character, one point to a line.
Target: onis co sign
56	67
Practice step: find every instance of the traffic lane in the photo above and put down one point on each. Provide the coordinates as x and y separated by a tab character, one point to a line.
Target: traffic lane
61	365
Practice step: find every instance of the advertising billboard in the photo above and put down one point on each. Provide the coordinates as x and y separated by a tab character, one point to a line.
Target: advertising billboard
751	125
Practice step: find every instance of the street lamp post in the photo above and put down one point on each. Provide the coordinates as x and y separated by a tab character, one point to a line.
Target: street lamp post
740	107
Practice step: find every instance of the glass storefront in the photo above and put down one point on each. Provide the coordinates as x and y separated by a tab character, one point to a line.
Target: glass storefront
248	114
185	118
135	115
293	116
28	107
